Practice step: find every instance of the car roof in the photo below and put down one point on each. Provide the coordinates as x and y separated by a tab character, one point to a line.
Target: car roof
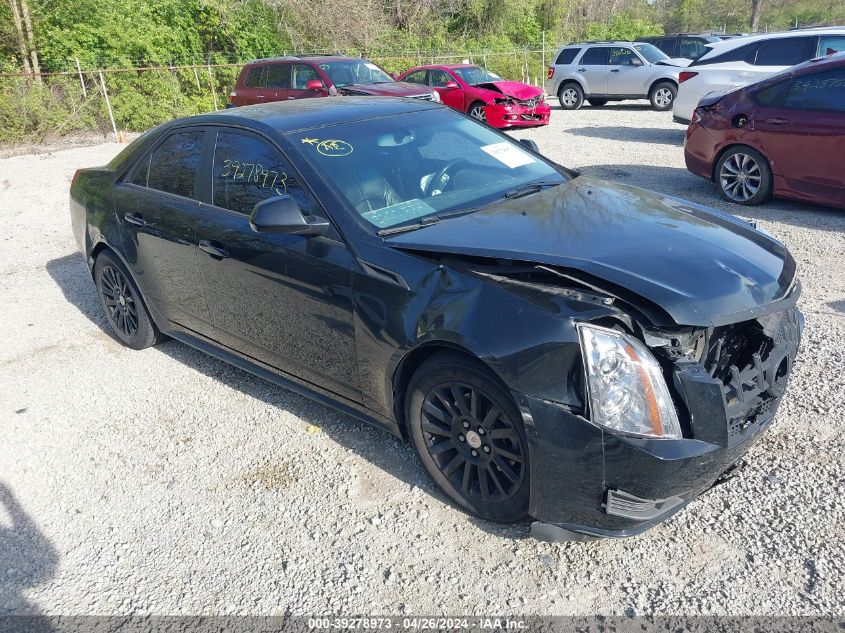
601	43
298	114
723	46
439	66
305	58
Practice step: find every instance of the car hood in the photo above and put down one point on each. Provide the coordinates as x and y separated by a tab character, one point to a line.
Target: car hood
515	89
702	267
392	89
681	62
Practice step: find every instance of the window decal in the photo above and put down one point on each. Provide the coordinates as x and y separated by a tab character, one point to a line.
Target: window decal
330	147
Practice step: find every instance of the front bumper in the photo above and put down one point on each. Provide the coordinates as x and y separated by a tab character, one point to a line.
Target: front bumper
500	116
593	482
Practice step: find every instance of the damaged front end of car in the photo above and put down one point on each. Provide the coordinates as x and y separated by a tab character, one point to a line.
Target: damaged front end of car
656	412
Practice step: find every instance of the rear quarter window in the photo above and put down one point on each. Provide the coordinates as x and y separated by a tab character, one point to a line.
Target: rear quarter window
744	53
173	164
255	77
783	51
567	56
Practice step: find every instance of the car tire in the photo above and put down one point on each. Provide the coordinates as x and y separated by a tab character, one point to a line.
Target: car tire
662	95
743	176
570	96
477	112
122	303
597	103
468	433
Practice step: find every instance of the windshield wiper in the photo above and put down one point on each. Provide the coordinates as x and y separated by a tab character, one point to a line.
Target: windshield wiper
425	221
529	188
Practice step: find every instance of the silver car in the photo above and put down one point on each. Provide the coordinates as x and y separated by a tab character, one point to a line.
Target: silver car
613	71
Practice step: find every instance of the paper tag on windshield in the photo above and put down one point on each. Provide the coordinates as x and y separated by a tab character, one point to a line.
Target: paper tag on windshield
509	155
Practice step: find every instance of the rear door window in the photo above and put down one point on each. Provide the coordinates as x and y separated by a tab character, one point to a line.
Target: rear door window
783	51
256	77
173	164
278	76
248	169
567	55
822	91
596	56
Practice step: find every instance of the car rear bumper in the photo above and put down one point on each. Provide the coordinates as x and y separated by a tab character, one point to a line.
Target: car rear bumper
592	482
700	149
500	116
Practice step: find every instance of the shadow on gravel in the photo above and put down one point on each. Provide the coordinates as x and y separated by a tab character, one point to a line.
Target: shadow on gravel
614	106
680	183
838	306
27	559
390	454
662	136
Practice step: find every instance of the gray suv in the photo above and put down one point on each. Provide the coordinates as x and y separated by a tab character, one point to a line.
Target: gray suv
613	71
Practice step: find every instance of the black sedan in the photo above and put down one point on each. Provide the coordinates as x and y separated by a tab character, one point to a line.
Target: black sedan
589	354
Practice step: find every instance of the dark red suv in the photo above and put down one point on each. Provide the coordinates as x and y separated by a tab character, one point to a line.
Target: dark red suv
305	77
784	136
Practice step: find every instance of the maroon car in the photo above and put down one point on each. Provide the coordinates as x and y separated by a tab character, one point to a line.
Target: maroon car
784	136
305	77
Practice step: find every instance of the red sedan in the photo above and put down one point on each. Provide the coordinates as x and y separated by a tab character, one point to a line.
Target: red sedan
784	136
483	95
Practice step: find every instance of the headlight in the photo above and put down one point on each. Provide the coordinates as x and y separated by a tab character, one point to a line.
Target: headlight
435	96
625	387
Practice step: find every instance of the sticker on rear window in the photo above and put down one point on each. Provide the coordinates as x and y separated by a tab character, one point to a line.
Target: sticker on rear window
509	155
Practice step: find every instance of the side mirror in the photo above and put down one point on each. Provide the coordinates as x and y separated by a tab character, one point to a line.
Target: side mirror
314	84
283	215
451	84
530	145
636	61
394	76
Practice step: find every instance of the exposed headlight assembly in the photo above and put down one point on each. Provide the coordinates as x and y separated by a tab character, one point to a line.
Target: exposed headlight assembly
625	386
435	96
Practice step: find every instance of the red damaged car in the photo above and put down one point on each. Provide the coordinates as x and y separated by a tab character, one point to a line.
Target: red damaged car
784	136
483	95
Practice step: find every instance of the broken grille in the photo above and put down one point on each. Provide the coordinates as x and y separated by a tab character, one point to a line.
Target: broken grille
753	360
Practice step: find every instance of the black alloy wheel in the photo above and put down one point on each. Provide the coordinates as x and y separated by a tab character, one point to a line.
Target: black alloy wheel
121	301
470	437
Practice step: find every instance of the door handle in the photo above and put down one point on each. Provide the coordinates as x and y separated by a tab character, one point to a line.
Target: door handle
211	249
777	121
291	97
134	218
582	70
260	96
615	70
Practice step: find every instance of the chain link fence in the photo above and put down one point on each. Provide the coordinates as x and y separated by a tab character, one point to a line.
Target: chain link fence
40	108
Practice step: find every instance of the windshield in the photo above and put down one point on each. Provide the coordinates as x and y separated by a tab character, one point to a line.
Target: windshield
354	71
651	53
476	75
396	170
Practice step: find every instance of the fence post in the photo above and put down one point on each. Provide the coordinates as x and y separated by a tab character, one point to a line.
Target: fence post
213	89
81	79
108	105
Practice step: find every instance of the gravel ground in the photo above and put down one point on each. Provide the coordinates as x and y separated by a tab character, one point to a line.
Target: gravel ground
167	482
